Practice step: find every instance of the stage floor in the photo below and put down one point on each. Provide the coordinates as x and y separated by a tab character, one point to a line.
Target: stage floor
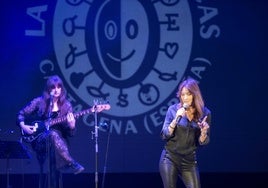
138	180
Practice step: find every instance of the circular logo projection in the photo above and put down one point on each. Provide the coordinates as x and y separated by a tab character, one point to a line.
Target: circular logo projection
132	53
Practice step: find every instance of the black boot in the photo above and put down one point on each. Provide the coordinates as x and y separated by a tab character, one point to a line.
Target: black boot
73	167
76	167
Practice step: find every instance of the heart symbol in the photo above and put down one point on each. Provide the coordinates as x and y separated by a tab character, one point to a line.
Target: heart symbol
171	49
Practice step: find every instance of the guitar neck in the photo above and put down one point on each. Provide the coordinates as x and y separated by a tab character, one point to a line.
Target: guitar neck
97	108
62	119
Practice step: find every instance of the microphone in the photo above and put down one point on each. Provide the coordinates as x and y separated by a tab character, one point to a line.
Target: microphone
185	107
51	97
52	93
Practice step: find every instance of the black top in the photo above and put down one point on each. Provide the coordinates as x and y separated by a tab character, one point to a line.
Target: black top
185	138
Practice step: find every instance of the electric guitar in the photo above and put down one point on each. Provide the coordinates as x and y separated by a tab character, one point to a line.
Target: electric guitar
41	126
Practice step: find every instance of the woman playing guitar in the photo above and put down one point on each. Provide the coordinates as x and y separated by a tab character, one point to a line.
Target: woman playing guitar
52	104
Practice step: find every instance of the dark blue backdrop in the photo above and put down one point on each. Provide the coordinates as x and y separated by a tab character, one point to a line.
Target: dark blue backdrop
234	88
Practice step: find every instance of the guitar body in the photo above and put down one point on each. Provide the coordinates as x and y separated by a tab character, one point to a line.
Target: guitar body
38	127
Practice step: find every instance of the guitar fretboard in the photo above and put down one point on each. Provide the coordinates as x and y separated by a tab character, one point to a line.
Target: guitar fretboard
77	114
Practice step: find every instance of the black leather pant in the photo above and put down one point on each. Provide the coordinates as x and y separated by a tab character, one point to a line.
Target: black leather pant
185	167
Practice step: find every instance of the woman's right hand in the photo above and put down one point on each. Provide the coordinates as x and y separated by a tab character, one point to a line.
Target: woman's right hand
180	112
28	129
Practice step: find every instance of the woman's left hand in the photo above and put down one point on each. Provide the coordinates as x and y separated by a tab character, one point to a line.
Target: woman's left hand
203	126
71	120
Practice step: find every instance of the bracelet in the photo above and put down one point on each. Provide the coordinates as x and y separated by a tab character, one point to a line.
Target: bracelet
172	127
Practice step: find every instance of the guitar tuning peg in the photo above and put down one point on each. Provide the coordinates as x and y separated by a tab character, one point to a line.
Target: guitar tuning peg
95	101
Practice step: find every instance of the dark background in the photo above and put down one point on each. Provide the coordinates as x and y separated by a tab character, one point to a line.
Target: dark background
235	90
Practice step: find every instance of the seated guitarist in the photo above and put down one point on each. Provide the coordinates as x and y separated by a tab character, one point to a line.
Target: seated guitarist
53	103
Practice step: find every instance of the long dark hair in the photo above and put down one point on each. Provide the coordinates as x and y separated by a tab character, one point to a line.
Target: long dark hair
51	83
198	102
